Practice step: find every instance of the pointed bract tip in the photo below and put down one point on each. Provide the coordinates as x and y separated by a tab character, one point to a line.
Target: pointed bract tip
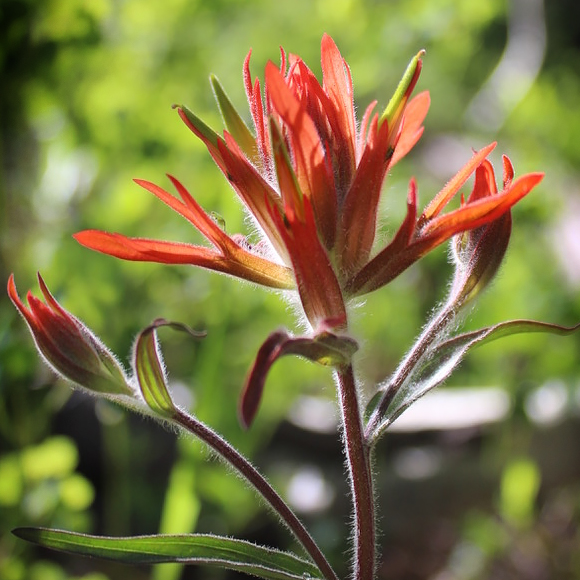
11	285
393	111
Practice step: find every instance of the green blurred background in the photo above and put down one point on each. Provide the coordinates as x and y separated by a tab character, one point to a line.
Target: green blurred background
86	90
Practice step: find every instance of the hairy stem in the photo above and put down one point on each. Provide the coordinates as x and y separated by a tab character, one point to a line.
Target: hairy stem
357	454
421	346
234	458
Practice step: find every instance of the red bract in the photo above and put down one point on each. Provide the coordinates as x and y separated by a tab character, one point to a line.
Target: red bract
418	236
228	255
311	177
479	253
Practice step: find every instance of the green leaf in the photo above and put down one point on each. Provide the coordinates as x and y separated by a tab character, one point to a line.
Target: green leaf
234	123
490	333
204	549
149	367
150	373
435	369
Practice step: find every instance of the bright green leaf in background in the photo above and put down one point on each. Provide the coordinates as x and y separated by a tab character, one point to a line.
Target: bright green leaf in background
76	492
520	484
54	458
11	485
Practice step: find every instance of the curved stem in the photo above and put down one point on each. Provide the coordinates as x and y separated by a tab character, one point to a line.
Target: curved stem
357	454
234	458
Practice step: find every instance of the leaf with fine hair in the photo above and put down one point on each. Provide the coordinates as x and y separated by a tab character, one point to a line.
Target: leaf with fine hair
435	368
148	364
205	549
206	133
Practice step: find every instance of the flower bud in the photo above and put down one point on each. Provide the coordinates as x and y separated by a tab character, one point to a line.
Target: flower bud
68	346
479	252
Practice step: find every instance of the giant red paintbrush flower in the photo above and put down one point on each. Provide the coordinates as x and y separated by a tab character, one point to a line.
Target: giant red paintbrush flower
311	178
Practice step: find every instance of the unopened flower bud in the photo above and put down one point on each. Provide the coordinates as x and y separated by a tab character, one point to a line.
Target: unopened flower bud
68	346
479	252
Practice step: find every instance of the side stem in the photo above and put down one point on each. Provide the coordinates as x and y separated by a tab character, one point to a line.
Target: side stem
421	346
357	454
234	458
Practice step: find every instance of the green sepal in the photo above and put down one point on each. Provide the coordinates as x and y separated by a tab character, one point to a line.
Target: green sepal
205	549
233	121
205	130
406	85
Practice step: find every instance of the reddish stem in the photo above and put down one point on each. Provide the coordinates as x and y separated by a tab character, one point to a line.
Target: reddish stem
428	336
358	460
234	458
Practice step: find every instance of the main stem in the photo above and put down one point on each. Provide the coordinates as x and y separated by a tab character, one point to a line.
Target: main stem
234	458
357	454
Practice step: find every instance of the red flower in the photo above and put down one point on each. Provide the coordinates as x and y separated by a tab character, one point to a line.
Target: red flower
311	179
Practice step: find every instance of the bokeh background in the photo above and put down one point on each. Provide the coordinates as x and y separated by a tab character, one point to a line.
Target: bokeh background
480	483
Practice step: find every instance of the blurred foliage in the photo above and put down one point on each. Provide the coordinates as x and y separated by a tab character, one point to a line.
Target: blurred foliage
85	106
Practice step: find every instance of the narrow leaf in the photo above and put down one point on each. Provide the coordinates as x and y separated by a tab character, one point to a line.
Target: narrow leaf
437	368
507	328
404	89
216	551
454	184
206	133
149	369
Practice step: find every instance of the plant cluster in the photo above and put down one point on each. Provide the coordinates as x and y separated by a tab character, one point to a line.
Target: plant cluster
310	176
